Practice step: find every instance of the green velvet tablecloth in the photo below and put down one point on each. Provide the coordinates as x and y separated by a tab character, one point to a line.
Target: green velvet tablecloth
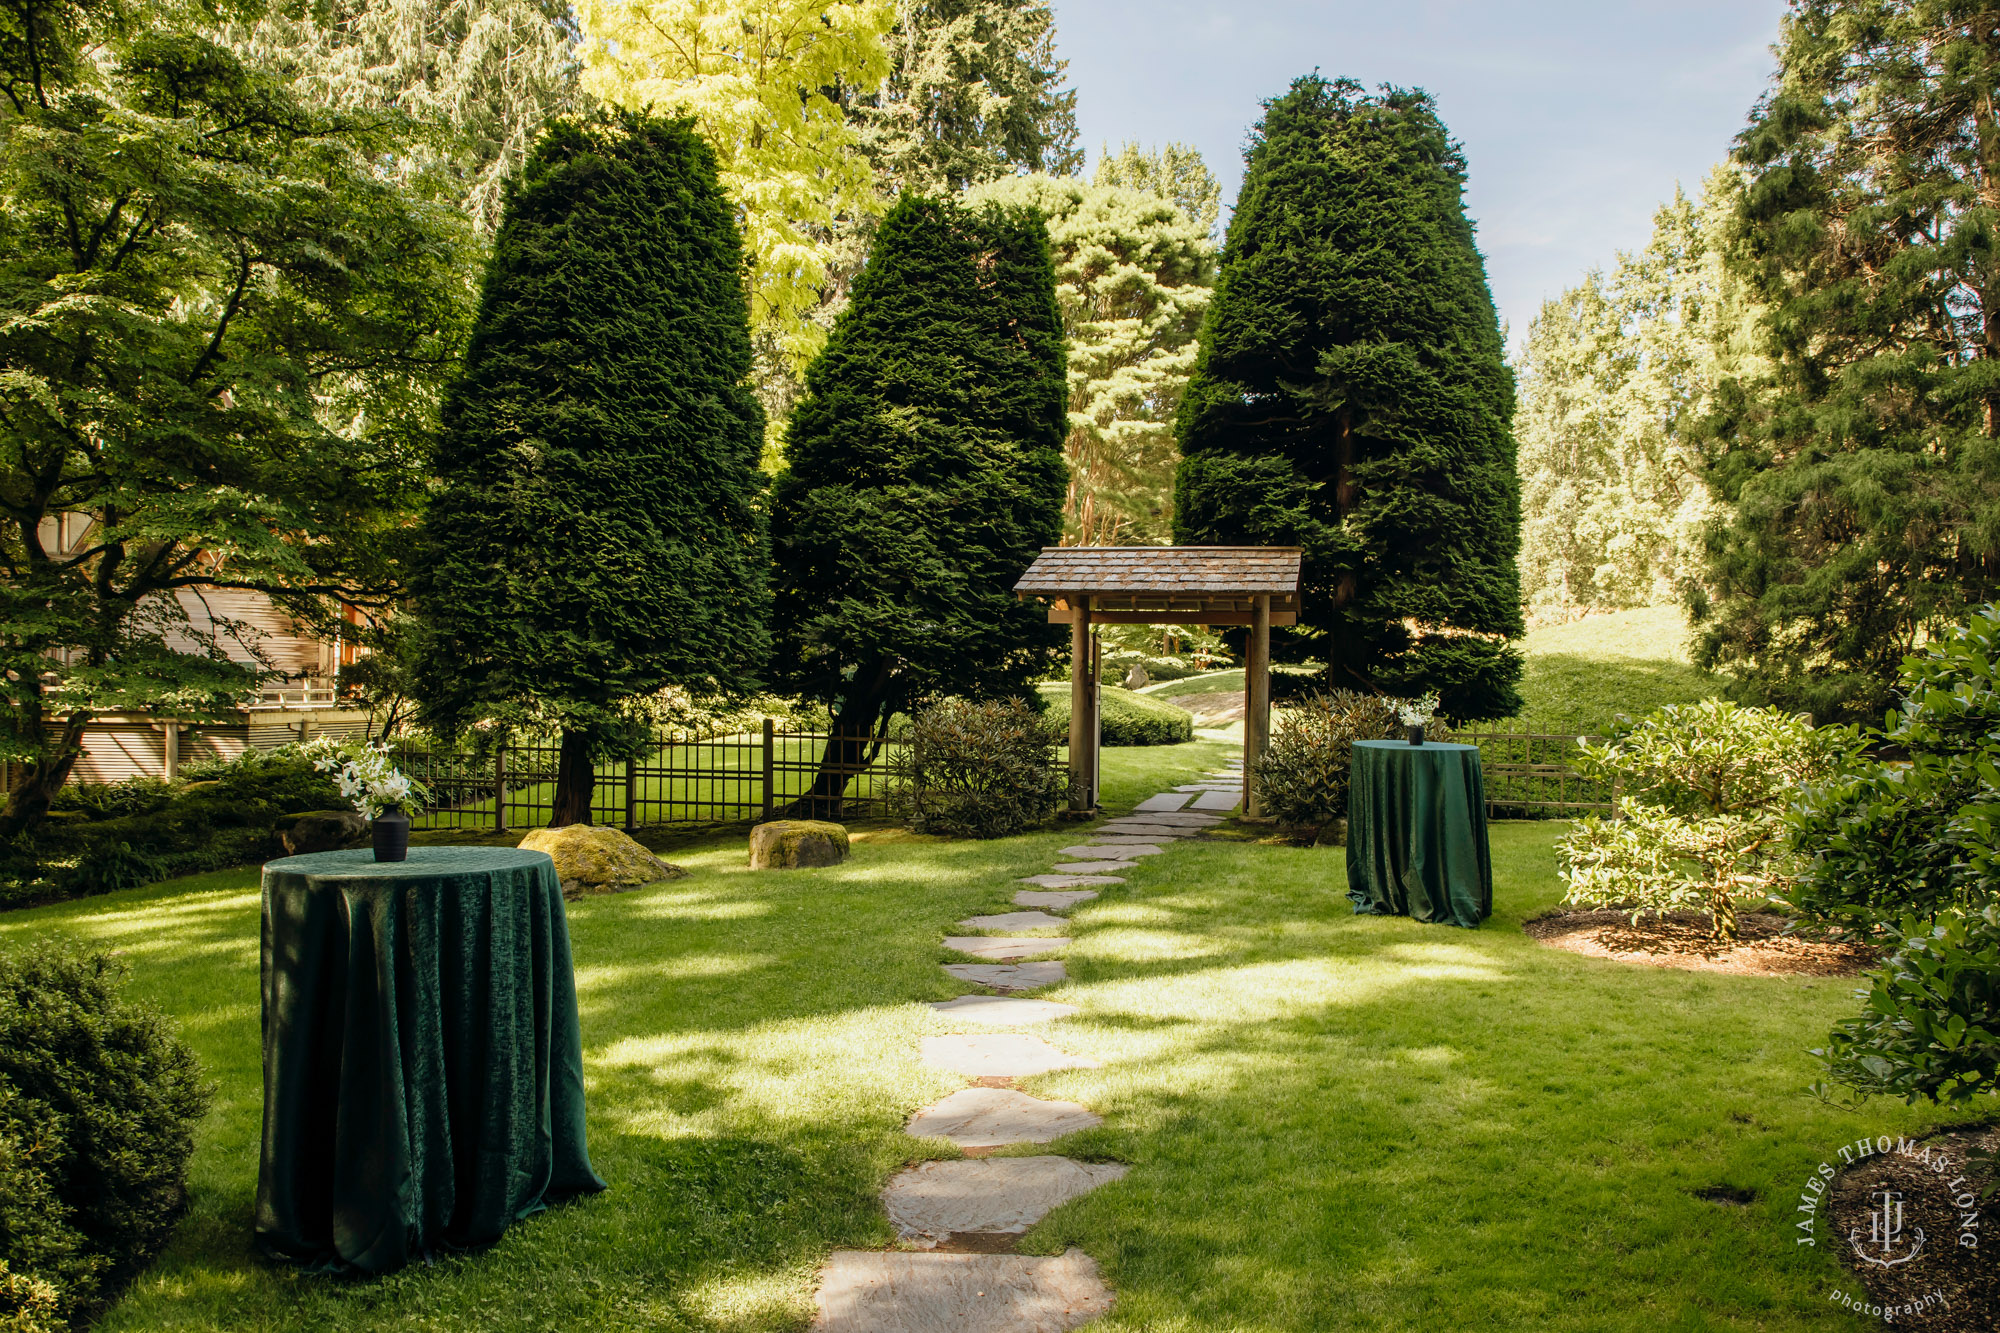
423	1068
1416	833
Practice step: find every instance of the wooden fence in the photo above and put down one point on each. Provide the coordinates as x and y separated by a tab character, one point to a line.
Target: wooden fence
1529	772
683	778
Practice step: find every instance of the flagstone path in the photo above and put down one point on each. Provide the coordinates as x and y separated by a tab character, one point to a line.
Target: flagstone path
963	1215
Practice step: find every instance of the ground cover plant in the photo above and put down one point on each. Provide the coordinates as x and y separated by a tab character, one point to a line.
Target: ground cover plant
1333	1122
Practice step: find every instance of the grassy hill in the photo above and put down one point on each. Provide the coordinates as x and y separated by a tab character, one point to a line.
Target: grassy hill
1582	675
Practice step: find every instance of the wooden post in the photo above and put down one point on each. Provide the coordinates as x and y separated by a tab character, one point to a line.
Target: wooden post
1082	708
631	794
500	788
170	749
770	766
1256	699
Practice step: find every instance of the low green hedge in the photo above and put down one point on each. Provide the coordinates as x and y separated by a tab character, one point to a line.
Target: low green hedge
1129	719
98	1104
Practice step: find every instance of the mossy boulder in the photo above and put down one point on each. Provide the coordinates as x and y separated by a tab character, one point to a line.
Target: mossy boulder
321	831
592	859
793	844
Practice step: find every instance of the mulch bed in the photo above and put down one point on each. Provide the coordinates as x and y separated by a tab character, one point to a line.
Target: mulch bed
1680	939
1955	1289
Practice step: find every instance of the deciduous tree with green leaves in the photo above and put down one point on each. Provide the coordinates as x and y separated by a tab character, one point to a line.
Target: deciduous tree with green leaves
923	474
1352	398
1175	171
1133	274
1862	469
224	333
599	533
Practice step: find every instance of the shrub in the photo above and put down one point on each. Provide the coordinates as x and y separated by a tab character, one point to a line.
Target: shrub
98	1103
1910	834
979	770
1700	817
27	1304
1302	779
1129	719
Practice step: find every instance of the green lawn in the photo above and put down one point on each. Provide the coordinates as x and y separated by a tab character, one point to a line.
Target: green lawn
1334	1122
1582	675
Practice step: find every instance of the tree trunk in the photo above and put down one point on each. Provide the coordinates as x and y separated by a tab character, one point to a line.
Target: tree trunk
576	780
29	802
854	732
1345	492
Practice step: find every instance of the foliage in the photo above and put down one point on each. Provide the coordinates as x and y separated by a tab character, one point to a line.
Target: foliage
224	330
924	472
28	1304
1617	376
1125	717
1912	833
1352	398
1176	172
979	770
1930	1025
761	79
98	1103
369	778
599	534
484	74
1132	280
1302	780
1860	470
1700	818
974	93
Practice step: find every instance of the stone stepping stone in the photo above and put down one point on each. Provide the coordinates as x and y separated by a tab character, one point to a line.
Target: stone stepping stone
1166	800
997	1055
1094	867
996	1117
1184	819
1070	881
1219	800
1002	948
1014	921
1212	786
1009	976
1144	829
869	1291
1058	901
1001	1011
933	1201
1095	851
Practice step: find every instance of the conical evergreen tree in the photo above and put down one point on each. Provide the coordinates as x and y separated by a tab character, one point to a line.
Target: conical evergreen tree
1353	398
598	535
924	471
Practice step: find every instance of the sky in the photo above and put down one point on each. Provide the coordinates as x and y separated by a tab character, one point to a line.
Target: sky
1577	116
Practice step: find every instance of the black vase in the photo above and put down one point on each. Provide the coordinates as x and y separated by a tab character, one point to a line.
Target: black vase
1414	730
391	831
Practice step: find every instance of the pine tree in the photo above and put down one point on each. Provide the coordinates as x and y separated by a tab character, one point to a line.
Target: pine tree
599	534
1352	398
923	473
1863	470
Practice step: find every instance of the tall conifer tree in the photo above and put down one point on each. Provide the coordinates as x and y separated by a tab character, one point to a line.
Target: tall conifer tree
599	533
924	471
1352	398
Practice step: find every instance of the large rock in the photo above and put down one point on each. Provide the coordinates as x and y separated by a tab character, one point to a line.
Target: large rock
593	859
323	831
793	844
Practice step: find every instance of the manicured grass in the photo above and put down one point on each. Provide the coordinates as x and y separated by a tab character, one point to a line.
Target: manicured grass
1334	1122
1581	676
1208	682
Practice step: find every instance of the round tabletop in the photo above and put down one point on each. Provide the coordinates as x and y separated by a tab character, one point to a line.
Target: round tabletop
1434	746
423	862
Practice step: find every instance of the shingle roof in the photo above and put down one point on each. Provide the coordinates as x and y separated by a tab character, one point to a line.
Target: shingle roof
1170	570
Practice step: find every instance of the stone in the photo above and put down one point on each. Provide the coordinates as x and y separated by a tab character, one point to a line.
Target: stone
1136	678
1000	947
1057	901
1219	800
1144	829
996	1117
324	831
933	1201
1069	881
1094	867
1095	851
1009	976
1014	921
873	1291
591	858
997	1055
797	844
1001	1011
1186	819
1166	800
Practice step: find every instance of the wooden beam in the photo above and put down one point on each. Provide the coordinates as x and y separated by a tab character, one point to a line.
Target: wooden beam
1059	616
1257	702
1082	699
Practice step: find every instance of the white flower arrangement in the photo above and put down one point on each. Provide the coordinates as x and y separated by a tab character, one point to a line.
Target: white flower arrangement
1416	712
369	779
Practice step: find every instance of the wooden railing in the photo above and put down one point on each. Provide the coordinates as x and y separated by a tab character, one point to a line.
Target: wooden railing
1531	772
